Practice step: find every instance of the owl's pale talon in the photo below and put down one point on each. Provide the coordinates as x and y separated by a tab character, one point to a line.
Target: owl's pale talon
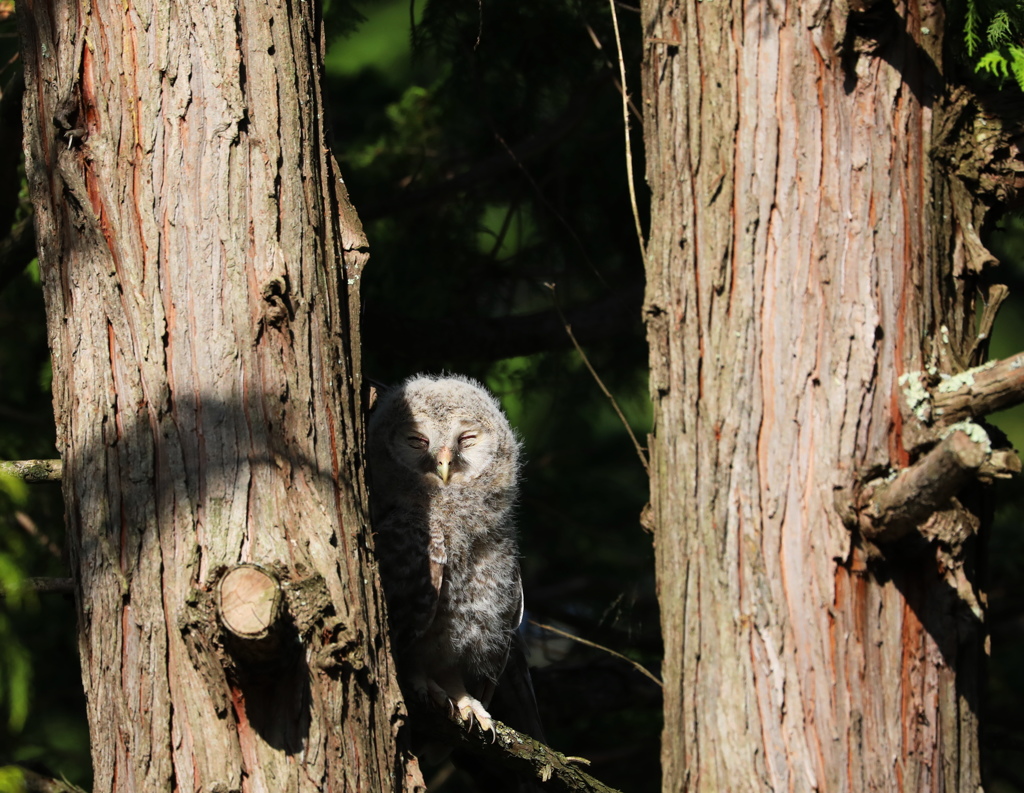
470	708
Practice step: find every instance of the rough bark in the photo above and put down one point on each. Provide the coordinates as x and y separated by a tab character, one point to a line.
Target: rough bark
806	250
195	243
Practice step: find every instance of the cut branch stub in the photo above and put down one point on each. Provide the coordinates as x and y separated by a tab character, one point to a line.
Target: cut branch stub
892	510
249	606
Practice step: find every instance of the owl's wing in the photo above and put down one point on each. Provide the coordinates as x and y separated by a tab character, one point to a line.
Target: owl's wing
514	701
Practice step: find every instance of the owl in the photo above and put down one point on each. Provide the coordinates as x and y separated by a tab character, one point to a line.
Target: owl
444	473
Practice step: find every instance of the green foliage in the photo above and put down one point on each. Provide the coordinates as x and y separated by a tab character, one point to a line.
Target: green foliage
341	18
972	24
12	780
991	37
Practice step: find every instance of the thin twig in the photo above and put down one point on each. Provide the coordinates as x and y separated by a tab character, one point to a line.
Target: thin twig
618	86
625	119
551	207
599	381
639	667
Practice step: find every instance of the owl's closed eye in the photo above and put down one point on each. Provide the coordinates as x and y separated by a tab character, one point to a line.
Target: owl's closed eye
444	457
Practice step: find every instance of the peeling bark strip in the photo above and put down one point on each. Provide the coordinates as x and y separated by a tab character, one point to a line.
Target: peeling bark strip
804	251
195	245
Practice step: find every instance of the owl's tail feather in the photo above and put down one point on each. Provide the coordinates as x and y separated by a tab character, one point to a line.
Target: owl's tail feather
514	702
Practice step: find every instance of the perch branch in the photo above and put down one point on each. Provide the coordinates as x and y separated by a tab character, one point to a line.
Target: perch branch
33	470
62	586
894	509
516	751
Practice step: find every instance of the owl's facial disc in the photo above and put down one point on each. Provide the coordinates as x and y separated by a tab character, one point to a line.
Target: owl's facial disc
454	455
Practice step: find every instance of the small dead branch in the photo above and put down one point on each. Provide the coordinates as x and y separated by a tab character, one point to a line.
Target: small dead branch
979	391
639	667
893	509
45	586
30	782
249	602
629	149
33	470
599	381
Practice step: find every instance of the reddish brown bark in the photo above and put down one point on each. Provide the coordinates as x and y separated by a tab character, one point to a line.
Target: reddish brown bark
195	243
805	252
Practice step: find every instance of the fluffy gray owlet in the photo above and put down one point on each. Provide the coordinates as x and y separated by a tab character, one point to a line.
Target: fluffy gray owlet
444	466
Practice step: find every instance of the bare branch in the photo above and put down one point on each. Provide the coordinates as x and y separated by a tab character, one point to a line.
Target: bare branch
629	149
45	586
31	782
894	509
639	667
977	392
250	607
249	601
600	383
33	470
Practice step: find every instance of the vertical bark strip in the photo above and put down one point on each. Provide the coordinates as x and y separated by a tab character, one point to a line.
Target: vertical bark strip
195	244
803	255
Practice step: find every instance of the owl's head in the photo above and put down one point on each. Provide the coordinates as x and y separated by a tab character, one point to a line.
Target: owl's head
444	432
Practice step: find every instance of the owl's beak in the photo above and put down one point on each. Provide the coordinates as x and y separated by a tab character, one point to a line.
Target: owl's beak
444	460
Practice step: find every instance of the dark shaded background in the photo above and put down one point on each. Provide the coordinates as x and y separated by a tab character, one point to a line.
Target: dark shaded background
482	144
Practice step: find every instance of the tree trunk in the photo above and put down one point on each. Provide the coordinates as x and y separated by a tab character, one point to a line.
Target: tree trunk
194	237
806	251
